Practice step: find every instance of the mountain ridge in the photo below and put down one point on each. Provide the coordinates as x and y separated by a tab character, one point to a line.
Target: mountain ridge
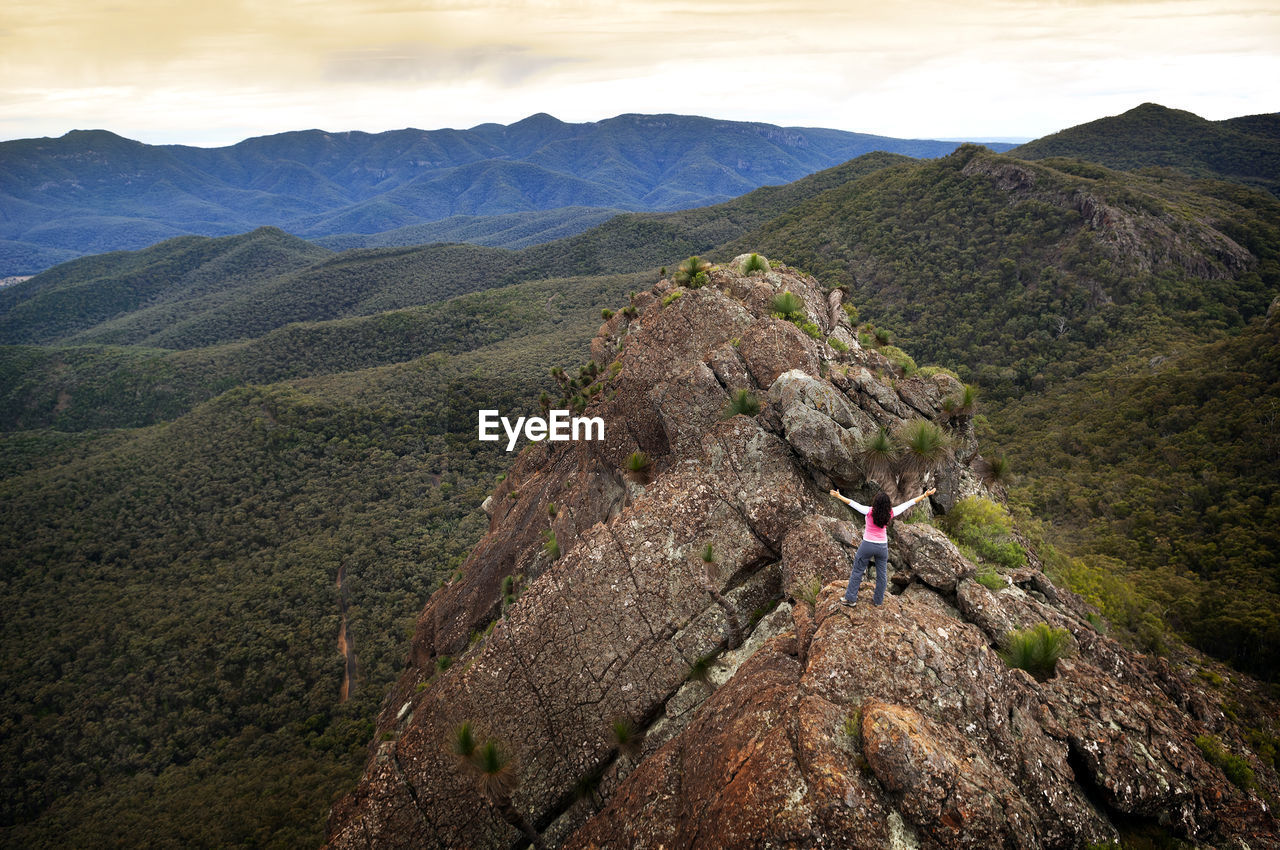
1245	149
92	187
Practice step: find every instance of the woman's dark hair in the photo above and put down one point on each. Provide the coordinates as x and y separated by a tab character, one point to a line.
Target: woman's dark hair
881	510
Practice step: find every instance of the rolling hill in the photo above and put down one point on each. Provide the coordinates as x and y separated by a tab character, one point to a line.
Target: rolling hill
157	297
1151	136
92	191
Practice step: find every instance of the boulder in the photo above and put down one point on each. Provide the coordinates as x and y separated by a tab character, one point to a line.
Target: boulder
927	554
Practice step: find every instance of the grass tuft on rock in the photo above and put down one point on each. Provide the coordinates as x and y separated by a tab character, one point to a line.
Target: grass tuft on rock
742	401
1036	650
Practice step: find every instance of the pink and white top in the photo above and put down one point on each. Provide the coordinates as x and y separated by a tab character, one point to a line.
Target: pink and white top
877	533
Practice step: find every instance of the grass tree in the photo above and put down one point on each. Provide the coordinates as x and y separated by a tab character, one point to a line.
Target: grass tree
788	305
963	405
879	453
923	447
754	263
494	772
639	467
628	739
994	470
688	270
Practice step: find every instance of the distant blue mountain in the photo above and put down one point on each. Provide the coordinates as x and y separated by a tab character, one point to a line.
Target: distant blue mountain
92	191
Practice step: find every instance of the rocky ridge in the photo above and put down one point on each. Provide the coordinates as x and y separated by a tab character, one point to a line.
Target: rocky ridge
815	724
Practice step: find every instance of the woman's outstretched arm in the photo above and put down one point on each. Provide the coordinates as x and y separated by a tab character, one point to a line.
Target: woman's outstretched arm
906	506
860	508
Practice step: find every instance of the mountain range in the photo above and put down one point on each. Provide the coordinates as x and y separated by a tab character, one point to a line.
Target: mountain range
221	453
93	191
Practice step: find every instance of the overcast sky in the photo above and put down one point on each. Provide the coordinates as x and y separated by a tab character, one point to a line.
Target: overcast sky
211	73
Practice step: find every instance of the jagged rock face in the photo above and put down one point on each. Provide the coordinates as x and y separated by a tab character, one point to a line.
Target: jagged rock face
871	727
1136	239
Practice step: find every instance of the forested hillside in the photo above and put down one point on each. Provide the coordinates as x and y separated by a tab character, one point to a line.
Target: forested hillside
1164	463
1150	136
173	591
161	297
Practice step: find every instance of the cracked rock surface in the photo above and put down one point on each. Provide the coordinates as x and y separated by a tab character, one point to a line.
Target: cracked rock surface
815	725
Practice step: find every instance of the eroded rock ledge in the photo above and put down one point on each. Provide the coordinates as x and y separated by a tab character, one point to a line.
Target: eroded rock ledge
896	726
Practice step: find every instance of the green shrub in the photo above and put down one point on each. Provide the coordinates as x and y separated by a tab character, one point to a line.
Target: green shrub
850	311
883	336
742	402
1036	650
930	371
788	305
811	329
837	345
606	314
550	545
708	554
1236	768
852	725
899	358
700	280
754	263
983	530
1102	583
990	579
672	297
1265	745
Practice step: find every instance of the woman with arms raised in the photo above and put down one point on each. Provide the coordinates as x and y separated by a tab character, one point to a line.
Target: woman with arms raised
875	542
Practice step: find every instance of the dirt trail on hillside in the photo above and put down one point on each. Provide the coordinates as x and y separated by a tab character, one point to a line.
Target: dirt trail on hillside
344	642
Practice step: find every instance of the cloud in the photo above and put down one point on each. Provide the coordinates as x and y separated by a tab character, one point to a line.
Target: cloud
408	63
924	67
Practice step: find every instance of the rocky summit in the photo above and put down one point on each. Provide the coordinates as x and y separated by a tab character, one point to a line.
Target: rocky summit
648	650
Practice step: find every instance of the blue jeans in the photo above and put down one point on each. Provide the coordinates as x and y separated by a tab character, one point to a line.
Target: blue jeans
866	552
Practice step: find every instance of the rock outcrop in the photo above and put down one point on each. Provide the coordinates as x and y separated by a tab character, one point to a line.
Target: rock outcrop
771	715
